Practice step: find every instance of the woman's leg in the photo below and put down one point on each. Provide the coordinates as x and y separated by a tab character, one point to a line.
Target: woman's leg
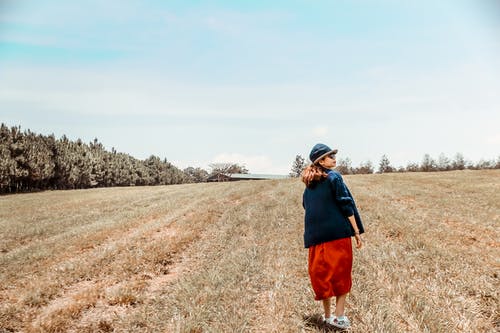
327	305
340	305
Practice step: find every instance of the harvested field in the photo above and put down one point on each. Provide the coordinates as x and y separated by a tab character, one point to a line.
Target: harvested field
229	257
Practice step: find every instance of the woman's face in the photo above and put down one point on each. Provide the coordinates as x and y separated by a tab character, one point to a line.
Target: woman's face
329	162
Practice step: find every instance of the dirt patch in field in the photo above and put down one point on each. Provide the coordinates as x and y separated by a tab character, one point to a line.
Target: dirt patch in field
58	314
118	301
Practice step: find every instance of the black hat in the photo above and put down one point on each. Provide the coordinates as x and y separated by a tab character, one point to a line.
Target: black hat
319	151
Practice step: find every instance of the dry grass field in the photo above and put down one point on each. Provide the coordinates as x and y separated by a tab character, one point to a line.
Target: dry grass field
229	257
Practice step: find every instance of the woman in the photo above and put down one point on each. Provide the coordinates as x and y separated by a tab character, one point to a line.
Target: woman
331	219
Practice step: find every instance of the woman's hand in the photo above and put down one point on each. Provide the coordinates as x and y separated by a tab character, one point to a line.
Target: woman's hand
357	236
359	243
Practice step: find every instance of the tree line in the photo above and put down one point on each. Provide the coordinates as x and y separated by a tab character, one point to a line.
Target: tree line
428	164
30	162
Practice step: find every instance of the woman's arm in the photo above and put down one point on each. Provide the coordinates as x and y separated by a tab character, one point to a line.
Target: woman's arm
357	236
341	194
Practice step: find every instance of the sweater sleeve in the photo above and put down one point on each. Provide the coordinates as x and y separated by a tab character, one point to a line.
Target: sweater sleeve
342	195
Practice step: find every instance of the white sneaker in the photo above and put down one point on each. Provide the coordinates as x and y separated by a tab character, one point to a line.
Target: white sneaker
341	322
328	320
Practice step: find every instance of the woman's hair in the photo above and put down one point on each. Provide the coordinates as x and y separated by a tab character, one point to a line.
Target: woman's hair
312	174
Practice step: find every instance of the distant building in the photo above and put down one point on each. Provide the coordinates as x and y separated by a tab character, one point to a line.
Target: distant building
220	177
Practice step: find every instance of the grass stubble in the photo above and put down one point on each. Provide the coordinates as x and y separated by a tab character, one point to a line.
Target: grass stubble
229	257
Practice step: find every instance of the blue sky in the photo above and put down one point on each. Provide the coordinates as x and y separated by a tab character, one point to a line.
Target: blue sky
257	82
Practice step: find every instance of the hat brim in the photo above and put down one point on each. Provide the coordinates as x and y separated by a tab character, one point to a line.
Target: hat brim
334	151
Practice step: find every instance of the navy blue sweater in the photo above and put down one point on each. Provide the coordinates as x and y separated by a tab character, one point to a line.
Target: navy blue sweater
327	205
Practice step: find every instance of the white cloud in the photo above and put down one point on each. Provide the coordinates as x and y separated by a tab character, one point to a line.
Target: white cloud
320	132
494	140
111	91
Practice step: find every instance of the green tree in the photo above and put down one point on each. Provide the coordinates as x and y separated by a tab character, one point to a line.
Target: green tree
97	155
196	175
73	164
30	161
17	153
7	164
39	160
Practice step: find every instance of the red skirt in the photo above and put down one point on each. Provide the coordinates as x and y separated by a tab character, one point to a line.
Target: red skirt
330	267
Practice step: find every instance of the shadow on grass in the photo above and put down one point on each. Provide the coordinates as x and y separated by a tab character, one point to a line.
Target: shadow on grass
316	322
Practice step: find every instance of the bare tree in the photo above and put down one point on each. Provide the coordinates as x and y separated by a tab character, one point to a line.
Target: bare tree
344	166
412	167
385	165
443	163
227	168
298	166
364	168
428	164
458	162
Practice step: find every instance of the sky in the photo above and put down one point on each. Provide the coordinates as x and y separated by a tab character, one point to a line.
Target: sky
257	82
